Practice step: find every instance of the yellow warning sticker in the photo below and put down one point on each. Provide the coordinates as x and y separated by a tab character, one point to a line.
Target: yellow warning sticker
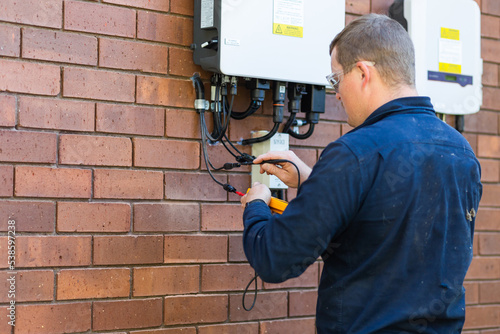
450	34
288	30
450	68
288	18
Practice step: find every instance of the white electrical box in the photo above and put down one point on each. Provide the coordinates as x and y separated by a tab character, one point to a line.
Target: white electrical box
447	39
285	40
278	142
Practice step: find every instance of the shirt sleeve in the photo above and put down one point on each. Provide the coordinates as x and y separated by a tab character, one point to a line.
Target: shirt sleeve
280	247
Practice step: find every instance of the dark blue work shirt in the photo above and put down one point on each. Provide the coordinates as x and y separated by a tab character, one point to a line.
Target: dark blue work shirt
390	208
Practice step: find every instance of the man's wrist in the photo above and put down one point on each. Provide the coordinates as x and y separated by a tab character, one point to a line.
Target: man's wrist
255	200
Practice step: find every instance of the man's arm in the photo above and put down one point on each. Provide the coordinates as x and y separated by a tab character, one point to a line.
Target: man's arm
280	247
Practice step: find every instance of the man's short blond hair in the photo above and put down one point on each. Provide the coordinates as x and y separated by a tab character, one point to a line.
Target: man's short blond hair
379	39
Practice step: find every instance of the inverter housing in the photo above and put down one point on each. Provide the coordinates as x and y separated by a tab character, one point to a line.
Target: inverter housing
283	40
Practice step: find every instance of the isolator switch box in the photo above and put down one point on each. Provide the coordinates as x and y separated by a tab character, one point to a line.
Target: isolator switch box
447	39
278	142
283	40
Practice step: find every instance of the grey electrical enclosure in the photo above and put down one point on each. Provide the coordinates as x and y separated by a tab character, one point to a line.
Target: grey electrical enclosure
284	40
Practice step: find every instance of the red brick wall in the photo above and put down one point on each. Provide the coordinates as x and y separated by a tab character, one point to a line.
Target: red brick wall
119	228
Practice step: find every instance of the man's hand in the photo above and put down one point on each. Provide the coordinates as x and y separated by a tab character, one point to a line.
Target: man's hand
284	171
258	191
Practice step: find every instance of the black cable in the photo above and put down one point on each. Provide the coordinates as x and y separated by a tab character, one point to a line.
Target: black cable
252	108
289	123
304	135
263	138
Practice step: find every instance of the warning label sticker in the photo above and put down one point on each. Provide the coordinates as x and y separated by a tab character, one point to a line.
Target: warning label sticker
450	51
289	18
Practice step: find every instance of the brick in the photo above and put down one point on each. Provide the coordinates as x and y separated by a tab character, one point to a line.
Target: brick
269	305
53	318
7	110
490	170
132	184
236	252
163	153
288	326
130	119
93	217
100	19
489	292
491	97
195	248
490	49
225	277
53	251
471	293
93	283
308	279
309	156
195	309
381	6
164	28
165	91
490	73
482	122
29	216
6	181
302	303
59	46
33	12
3	247
134	56
488	146
31	285
472	139
489	244
357	7
95	150
179	330
482	316
24	146
140	313
180	62
484	268
182	7
128	250
491	7
491	195
56	114
240	182
166	217
221	217
487	219
99	85
243	328
194	187
10	41
490	26
31	78
324	133
154	281
52	182
159	5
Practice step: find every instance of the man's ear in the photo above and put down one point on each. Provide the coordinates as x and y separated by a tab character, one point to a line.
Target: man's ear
365	71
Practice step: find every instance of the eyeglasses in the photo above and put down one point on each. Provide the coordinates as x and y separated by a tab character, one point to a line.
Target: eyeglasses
334	78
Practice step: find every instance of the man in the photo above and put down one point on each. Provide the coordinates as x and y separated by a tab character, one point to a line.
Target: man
389	206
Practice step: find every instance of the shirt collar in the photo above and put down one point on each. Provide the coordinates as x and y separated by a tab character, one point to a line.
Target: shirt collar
402	105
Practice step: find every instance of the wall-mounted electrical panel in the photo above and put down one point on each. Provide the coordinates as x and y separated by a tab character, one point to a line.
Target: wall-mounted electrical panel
447	39
285	40
278	142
